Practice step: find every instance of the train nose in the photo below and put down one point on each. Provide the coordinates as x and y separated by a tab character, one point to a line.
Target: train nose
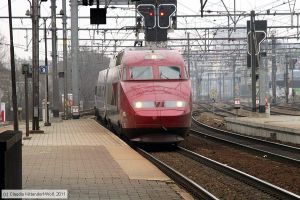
162	116
144	118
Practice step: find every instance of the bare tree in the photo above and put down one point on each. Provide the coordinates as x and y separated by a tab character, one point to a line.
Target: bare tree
90	63
3	50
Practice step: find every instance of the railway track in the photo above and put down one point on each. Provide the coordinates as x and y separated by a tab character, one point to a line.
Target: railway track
243	181
219	111
275	151
200	191
278	110
292	107
179	178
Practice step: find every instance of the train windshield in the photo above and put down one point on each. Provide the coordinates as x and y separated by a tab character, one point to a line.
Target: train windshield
169	72
141	73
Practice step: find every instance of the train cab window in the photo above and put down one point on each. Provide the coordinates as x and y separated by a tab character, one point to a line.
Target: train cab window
141	73
169	72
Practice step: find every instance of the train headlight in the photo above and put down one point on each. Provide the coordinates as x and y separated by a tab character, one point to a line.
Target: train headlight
138	104
144	104
175	104
180	104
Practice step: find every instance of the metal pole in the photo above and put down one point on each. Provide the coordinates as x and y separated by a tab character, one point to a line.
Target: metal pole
293	92
205	42
223	86
47	123
189	69
102	46
220	87
262	86
298	27
253	60
286	77
74	51
35	65
115	47
234	14
293	89
233	80
274	69
65	59
26	103
208	87
55	100
13	70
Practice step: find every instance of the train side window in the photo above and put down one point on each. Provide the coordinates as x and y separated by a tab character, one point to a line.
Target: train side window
118	68
124	73
169	72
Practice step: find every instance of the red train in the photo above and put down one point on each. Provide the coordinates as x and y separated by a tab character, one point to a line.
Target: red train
145	94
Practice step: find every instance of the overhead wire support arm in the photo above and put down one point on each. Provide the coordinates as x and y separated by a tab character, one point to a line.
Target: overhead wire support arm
202	6
228	11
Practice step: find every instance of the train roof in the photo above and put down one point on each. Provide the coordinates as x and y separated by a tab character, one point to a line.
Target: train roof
137	54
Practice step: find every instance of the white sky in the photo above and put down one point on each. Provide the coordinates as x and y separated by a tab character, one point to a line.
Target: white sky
186	7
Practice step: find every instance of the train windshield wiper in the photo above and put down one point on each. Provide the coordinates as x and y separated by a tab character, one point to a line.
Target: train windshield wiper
163	76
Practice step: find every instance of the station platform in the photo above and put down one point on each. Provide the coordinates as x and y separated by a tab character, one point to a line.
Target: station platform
90	162
276	127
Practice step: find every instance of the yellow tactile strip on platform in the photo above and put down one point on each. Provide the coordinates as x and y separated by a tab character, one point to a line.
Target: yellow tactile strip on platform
134	165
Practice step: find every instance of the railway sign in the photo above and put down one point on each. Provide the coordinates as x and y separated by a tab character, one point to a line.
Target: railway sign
43	69
257	101
2	112
237	103
259	36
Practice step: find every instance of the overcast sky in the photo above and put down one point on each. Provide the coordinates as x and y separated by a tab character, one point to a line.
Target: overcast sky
185	7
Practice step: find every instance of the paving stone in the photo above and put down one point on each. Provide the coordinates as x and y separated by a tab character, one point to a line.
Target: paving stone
72	155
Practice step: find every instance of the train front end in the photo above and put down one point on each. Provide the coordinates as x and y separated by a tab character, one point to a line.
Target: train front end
156	97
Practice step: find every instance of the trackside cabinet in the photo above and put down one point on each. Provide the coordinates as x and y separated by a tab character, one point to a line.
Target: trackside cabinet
10	160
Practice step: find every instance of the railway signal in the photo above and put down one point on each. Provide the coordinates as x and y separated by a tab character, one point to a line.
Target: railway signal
260	34
165	13
256	34
157	18
160	16
98	15
147	11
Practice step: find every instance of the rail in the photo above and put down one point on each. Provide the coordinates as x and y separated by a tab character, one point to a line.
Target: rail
244	177
89	111
272	150
187	183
